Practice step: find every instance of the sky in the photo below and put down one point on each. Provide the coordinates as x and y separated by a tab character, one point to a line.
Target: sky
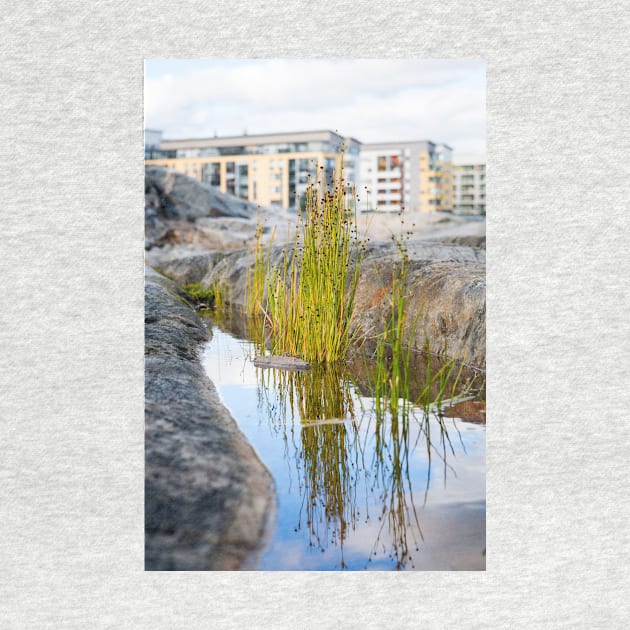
371	100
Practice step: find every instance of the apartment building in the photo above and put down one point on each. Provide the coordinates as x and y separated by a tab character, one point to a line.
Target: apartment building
268	169
416	176
274	169
470	184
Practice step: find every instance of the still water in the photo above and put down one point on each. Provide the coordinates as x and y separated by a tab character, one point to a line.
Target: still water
356	490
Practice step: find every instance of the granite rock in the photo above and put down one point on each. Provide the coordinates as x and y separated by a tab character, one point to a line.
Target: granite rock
208	498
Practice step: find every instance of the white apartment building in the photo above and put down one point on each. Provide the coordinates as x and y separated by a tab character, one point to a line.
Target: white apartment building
414	176
470	184
381	178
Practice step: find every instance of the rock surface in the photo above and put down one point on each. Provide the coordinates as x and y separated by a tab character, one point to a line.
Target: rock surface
181	210
281	363
184	198
208	498
476	241
447	299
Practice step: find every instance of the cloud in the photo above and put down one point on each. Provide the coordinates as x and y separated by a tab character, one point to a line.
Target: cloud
372	100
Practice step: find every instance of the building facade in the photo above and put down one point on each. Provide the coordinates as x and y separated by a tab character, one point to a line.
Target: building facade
268	169
274	169
470	184
414	176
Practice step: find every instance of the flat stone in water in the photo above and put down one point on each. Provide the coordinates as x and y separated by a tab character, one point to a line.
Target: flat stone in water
281	363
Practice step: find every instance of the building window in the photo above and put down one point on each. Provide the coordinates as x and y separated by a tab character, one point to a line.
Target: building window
243	181
211	174
230	178
231	150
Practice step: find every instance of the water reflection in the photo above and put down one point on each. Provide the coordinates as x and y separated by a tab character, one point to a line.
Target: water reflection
359	487
322	400
331	456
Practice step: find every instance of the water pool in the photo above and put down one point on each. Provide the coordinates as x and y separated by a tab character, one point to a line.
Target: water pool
355	491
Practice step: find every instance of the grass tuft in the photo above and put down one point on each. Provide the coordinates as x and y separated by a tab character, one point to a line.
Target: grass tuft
310	293
214	297
201	295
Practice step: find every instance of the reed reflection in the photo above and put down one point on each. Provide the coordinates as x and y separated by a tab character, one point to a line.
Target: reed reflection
353	456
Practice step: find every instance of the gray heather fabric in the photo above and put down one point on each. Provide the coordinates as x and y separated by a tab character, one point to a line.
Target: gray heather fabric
71	375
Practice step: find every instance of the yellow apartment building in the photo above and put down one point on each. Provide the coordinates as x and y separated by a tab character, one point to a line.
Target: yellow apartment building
436	178
268	169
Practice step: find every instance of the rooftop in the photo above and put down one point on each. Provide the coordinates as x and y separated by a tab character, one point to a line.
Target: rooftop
468	158
403	144
263	138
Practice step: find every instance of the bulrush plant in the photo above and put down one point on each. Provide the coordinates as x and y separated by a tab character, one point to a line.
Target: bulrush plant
257	277
392	383
221	297
311	292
